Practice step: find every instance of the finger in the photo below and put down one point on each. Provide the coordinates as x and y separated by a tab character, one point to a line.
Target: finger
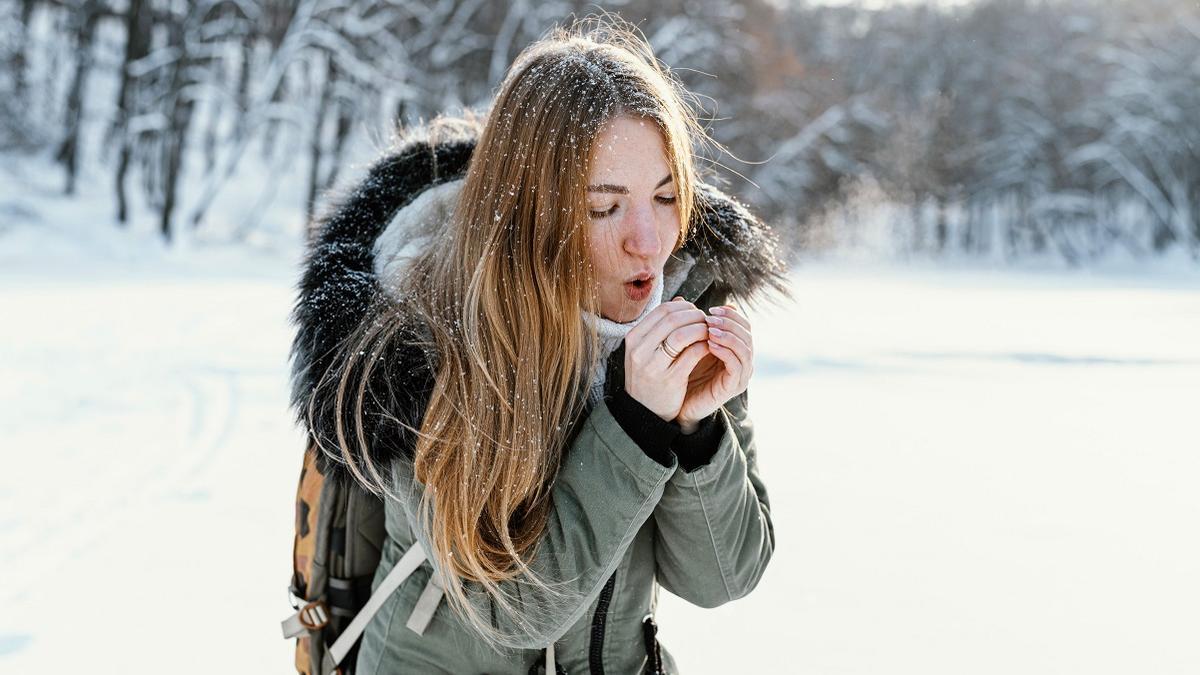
733	365
727	324
689	358
732	342
684	336
679	340
668	324
655	316
729	311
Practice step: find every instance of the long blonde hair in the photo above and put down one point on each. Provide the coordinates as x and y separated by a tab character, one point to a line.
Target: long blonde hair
498	293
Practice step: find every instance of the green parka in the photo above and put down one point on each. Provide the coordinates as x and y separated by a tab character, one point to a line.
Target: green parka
621	522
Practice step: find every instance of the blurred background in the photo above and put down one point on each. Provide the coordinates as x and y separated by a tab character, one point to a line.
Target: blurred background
997	130
977	418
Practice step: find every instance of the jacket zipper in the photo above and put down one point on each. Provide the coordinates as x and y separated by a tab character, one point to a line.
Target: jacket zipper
599	621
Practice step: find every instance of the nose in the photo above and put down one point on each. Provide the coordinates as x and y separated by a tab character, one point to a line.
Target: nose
641	233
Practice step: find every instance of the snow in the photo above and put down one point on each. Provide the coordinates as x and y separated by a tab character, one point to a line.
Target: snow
984	471
971	471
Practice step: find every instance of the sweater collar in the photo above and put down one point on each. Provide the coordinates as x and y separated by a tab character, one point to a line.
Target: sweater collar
611	332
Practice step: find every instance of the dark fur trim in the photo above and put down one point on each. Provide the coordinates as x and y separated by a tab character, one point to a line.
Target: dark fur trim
736	255
740	248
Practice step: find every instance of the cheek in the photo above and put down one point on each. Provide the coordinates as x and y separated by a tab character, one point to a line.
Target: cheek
601	250
668	230
599	255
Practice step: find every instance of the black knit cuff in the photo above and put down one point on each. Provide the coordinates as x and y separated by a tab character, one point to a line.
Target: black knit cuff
697	448
652	433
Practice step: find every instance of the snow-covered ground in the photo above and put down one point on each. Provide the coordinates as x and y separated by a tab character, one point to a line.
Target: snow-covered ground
970	472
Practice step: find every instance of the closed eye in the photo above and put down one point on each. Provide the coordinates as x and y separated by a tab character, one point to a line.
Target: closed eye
606	213
603	214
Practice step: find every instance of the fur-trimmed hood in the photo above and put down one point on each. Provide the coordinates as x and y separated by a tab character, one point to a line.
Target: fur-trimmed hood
358	250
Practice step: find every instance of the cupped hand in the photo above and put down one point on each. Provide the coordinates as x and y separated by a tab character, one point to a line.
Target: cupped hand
652	377
722	373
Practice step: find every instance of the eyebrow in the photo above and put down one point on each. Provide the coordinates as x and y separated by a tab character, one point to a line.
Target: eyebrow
621	189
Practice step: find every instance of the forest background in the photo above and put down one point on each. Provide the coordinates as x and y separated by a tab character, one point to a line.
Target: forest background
998	130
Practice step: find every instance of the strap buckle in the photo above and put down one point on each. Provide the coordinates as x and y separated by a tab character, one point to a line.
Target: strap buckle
308	619
313	616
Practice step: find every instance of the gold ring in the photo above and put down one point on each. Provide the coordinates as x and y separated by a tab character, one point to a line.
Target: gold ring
668	351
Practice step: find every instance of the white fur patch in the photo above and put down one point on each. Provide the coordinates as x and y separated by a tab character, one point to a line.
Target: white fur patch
411	229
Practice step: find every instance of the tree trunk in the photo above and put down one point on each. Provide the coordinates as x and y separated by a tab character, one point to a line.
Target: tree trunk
345	119
18	60
315	148
243	86
68	150
138	25
179	121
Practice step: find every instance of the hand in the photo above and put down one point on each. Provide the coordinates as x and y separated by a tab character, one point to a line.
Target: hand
724	372
652	377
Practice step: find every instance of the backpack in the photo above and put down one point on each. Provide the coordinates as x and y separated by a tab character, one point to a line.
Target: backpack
338	544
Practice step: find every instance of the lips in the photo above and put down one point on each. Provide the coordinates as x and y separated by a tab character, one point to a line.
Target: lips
641	280
637	293
638	287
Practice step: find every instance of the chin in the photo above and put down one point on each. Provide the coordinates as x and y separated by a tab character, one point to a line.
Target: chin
627	311
619	317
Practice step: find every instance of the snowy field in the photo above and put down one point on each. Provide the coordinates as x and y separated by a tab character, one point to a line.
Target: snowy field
970	472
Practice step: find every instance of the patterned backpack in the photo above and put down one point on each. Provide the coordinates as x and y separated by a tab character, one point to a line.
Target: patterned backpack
338	544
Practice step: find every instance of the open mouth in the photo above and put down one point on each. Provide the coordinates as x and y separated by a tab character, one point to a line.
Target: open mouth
641	280
639	287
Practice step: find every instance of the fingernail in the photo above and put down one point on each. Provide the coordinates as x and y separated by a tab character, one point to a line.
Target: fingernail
713	330
713	319
716	310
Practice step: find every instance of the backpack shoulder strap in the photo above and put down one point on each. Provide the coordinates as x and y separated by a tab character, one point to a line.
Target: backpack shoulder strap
408	563
298	623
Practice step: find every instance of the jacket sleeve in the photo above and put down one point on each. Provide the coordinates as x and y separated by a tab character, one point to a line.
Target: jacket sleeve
715	535
605	491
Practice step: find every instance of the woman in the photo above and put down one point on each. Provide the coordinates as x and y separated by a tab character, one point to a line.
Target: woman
502	331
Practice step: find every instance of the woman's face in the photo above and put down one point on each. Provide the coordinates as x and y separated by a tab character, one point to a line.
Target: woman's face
633	218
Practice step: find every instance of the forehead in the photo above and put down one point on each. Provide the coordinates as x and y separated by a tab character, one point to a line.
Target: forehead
629	151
